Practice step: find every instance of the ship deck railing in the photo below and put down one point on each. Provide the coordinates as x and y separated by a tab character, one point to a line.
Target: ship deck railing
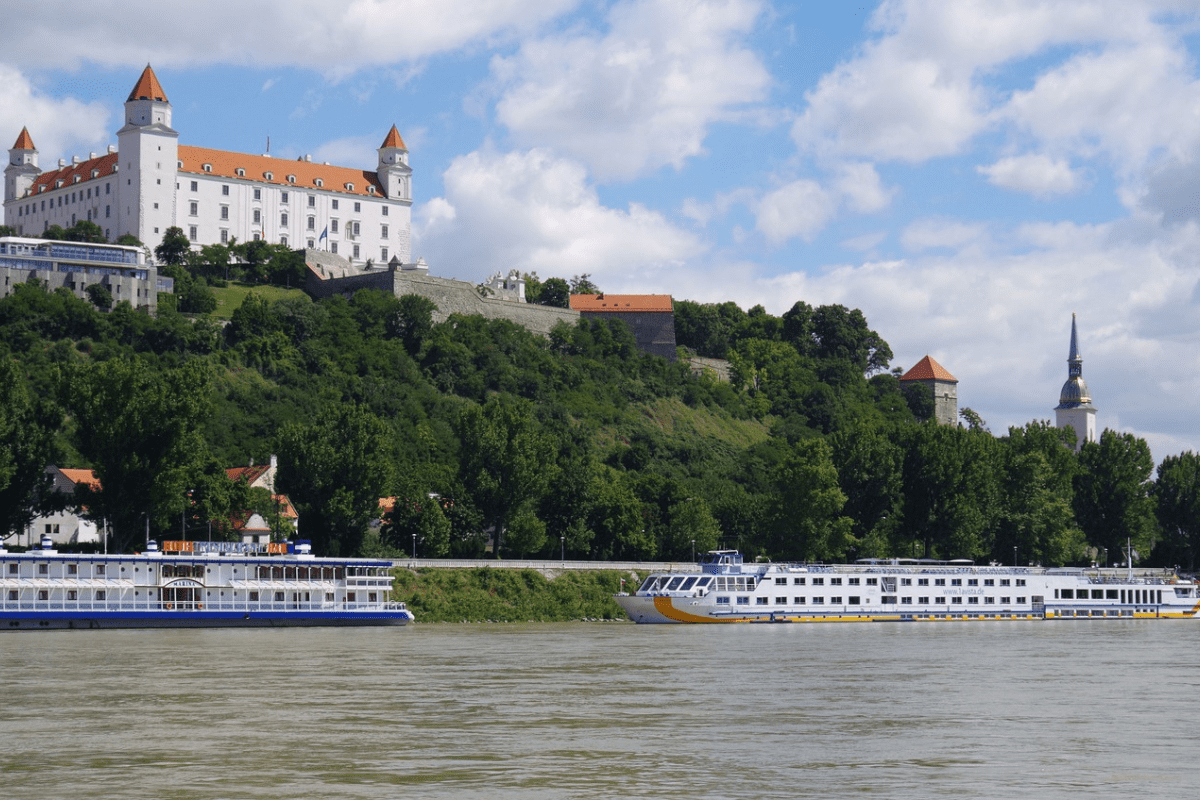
85	606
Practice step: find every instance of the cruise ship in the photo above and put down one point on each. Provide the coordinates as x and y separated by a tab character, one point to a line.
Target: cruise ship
725	589
194	585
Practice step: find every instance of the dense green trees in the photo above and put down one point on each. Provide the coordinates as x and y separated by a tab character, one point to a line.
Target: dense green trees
575	443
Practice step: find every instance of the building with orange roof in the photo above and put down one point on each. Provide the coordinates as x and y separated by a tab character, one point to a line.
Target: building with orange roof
149	182
651	317
942	386
68	526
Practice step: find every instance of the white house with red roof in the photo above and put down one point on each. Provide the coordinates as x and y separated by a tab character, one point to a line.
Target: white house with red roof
149	182
67	526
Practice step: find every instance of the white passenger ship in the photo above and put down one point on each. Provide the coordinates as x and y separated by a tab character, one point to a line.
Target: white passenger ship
728	590
193	585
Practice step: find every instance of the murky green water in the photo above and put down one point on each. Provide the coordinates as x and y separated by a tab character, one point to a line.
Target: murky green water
1045	710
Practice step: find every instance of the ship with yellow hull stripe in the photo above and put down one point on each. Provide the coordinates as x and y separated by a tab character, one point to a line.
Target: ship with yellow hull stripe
724	588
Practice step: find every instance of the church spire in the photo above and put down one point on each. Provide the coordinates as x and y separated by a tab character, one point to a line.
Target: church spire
1075	407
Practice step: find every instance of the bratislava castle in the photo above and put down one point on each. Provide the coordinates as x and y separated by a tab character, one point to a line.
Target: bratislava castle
149	182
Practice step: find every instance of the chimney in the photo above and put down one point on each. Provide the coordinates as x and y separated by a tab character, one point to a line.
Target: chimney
112	148
74	159
308	157
62	162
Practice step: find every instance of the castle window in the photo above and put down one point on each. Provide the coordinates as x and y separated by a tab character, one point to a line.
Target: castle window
335	204
383	232
356	251
333	247
357	207
108	188
193	208
283	197
224	212
269	176
224	236
283	220
192	233
370	190
312	225
195	186
384	210
319	182
208	167
349	187
258	194
291	178
225	189
312	201
95	173
355	224
283	240
256	236
311	243
383	254
241	173
333	226
257	216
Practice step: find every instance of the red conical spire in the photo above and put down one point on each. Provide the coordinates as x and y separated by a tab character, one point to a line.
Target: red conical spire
24	141
148	87
393	140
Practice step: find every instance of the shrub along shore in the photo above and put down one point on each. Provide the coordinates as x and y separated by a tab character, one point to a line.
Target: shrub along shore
508	595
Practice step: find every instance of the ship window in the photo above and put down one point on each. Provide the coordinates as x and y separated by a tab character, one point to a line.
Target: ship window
371	597
1020	601
837	601
705	581
1111	594
888	599
939	581
818	601
989	600
854	600
12	594
99	569
906	600
798	581
101	594
939	599
254	597
956	581
688	583
279	597
743	601
1005	600
72	569
1004	582
722	601
906	581
956	600
12	568
1068	594
674	584
973	582
818	581
43	594
781	601
168	571
989	582
923	601
872	581
798	601
72	594
762	601
835	581
973	600
43	569
781	581
351	596
922	581
1020	581
1097	594
853	581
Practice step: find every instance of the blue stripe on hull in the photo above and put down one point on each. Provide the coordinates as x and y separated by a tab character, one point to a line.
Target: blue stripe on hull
51	620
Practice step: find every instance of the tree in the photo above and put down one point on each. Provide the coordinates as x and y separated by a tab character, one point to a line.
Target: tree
505	460
28	425
691	528
129	240
174	247
141	431
1036	493
1177	492
335	469
582	284
809	523
869	466
85	231
100	296
554	292
1112	493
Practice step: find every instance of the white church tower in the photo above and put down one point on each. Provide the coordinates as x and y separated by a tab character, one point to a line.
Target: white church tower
149	162
395	176
1075	407
22	169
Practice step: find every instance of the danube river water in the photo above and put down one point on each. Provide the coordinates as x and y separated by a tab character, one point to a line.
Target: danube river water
605	710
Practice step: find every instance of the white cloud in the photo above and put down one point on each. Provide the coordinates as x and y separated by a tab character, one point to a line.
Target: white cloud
935	233
1035	174
640	96
56	125
334	38
801	208
536	212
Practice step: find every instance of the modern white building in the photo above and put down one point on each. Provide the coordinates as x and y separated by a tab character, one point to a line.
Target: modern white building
123	271
1075	407
149	182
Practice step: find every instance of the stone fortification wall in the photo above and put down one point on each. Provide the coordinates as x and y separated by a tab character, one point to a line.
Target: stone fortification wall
459	297
653	330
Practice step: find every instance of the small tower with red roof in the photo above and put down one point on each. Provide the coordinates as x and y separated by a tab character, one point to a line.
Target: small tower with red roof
941	384
22	169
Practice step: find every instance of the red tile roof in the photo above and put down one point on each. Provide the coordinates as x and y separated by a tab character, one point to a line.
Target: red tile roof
256	168
72	174
84	476
928	370
25	141
148	87
393	139
247	474
621	302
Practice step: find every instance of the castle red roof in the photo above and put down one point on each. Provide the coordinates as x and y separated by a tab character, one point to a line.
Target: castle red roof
928	370
393	139
300	174
148	87
621	302
102	166
24	141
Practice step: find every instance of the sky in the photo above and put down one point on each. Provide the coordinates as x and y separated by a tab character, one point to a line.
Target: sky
969	174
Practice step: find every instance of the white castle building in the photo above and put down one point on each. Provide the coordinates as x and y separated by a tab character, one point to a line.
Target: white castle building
149	182
1075	409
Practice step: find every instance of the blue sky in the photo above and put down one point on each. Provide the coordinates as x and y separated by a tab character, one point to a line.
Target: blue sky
968	173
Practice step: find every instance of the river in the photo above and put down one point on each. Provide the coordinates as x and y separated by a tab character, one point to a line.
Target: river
605	710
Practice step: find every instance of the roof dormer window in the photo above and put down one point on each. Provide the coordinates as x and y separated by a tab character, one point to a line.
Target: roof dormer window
269	176
178	165
95	173
318	182
349	187
208	167
291	178
241	173
370	190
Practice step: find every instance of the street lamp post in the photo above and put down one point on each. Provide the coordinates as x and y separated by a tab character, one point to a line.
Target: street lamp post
1014	556
693	551
562	547
414	547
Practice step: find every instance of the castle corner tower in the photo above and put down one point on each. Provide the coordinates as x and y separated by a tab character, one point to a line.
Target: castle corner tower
22	169
942	386
149	162
1075	407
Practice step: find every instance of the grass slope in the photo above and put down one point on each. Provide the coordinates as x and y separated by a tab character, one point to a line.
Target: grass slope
231	296
508	595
